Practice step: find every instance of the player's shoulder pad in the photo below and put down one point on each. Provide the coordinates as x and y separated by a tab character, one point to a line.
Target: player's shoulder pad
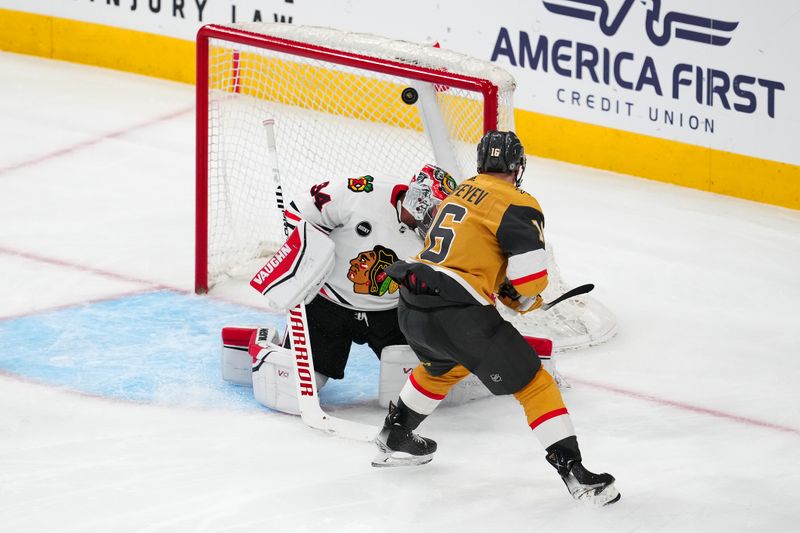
527	199
520	228
336	194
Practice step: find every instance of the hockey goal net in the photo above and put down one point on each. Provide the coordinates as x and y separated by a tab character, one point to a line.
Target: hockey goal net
344	104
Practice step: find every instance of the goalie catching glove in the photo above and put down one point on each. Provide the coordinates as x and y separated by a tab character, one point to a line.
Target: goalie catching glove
513	299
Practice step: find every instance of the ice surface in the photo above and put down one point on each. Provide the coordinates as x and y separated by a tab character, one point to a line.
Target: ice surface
692	406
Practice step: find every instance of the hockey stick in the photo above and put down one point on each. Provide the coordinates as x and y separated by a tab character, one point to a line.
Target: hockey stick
272	149
297	330
583	289
310	410
508	290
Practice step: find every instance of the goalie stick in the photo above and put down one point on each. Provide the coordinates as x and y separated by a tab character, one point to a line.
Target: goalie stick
297	331
272	149
310	410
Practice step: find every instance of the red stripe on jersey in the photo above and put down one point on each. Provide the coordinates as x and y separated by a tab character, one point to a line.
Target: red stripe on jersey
526	279
547	416
292	216
421	390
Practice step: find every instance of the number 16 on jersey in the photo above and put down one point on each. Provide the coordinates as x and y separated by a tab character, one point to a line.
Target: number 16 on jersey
443	233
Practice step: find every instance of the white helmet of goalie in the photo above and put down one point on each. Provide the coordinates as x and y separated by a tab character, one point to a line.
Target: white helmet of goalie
425	192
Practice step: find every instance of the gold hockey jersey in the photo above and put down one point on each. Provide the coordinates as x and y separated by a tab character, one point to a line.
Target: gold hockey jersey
485	231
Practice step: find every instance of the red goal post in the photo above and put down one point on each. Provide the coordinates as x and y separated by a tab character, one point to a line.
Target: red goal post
339	105
286	49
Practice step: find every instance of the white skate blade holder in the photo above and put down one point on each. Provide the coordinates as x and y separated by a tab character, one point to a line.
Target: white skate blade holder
388	458
596	495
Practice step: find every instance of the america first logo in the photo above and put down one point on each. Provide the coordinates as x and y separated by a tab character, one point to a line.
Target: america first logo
613	73
659	26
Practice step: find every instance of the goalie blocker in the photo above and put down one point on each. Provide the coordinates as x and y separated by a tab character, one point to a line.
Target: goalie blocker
254	357
298	269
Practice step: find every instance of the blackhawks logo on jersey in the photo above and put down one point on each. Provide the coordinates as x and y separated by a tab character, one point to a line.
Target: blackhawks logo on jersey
448	184
360	184
367	272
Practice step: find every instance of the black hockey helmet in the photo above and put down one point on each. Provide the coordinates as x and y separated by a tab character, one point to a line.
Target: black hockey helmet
501	151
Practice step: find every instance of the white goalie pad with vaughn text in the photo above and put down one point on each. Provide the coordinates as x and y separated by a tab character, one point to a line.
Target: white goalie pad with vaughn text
295	273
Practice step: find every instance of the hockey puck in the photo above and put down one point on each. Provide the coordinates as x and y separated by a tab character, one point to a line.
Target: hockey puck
409	96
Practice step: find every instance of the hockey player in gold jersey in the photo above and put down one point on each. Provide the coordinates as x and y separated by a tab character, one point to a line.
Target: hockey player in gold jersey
487	239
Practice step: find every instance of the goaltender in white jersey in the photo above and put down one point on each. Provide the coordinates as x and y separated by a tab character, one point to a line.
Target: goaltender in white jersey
367	223
363	218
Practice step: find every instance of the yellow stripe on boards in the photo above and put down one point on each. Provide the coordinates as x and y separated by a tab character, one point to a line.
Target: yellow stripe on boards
649	157
600	147
95	44
24	33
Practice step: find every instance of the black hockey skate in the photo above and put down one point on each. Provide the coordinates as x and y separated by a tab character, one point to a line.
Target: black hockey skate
583	485
400	446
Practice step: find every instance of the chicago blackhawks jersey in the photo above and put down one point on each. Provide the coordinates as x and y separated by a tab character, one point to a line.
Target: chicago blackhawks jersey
360	216
485	231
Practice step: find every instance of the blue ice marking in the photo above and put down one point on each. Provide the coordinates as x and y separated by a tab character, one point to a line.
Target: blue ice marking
160	347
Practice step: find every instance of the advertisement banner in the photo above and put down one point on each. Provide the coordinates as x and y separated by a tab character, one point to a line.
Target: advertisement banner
702	93
715	73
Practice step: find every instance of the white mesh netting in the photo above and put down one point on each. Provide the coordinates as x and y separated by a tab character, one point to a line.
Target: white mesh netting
334	120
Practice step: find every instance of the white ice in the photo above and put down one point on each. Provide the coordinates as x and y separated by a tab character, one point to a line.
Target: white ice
693	406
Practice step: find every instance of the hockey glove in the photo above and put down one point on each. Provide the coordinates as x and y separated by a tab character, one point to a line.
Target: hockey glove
513	299
507	290
412	282
407	275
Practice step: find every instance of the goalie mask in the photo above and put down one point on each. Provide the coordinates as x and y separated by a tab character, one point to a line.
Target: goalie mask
426	191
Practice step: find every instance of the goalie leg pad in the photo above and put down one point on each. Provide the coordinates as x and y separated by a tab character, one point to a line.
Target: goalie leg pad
469	388
262	338
397	364
240	345
274	381
235	361
272	374
544	349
